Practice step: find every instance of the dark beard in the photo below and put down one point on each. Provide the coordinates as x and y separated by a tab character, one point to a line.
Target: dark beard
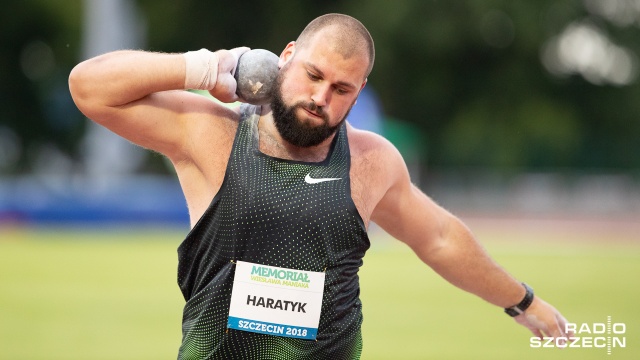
296	131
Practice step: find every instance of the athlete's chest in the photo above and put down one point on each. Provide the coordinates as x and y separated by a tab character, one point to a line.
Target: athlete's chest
356	176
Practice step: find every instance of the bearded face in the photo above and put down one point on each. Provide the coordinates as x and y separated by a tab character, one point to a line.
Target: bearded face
300	131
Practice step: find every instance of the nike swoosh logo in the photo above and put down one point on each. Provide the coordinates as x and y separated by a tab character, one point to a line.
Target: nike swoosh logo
309	180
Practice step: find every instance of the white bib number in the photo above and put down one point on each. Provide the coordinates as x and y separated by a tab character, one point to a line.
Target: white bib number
276	301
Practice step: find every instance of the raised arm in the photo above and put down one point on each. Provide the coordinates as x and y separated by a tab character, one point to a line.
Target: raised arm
444	243
133	94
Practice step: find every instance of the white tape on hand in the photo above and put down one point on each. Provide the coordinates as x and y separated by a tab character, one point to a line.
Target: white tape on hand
201	69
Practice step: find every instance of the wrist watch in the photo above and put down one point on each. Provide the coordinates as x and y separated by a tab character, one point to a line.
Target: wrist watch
523	305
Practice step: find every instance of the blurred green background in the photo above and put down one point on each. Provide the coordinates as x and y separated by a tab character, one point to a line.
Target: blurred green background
509	85
112	294
519	116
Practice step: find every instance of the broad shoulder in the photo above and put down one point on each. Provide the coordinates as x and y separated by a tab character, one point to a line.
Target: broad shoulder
369	147
205	112
376	165
211	127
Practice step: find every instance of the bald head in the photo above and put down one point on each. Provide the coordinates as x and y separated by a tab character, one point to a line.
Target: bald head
347	36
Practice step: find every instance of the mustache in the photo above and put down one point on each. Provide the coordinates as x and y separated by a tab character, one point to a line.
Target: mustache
315	108
312	107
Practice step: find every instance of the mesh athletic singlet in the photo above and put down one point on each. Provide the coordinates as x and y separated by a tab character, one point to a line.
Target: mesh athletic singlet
266	213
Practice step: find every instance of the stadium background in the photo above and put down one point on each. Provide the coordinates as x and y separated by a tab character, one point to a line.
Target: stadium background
520	117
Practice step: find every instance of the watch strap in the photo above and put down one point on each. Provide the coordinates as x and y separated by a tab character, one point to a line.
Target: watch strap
523	305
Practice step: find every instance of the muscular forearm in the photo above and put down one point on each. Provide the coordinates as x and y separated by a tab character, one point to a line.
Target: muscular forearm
118	78
443	242
461	260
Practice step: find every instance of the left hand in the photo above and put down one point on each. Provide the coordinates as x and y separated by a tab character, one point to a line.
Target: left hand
544	320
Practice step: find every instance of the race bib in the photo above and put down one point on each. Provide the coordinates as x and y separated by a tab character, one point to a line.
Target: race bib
276	301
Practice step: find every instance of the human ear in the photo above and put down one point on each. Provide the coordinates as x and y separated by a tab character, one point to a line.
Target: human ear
287	54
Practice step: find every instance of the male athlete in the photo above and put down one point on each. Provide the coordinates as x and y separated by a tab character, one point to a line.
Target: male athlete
287	191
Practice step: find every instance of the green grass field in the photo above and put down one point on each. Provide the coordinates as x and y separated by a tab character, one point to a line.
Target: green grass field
112	294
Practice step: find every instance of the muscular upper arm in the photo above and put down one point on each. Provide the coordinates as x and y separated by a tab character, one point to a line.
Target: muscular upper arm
167	122
129	93
407	213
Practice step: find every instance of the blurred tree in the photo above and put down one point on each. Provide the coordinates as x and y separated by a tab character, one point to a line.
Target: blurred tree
469	74
504	84
179	26
35	59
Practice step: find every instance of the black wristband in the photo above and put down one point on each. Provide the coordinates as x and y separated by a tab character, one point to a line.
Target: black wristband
523	305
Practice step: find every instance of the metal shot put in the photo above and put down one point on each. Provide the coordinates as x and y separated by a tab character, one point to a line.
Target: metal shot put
256	75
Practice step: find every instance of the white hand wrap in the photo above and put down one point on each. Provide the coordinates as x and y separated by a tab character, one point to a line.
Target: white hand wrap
201	69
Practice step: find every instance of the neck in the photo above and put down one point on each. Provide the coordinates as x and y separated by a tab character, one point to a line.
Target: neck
272	143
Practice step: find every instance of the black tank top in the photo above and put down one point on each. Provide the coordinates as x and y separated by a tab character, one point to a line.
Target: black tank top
267	213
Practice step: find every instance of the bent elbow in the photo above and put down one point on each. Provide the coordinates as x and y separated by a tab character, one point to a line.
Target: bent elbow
82	93
78	87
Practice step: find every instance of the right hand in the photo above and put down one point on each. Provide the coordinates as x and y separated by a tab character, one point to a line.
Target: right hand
225	89
543	320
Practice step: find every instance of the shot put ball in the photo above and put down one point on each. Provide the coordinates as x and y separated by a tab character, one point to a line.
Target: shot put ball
255	76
